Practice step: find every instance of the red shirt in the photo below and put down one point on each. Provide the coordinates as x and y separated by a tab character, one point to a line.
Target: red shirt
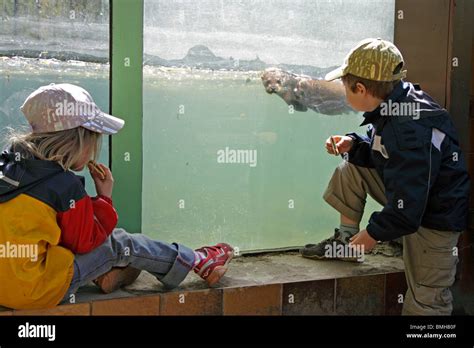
87	224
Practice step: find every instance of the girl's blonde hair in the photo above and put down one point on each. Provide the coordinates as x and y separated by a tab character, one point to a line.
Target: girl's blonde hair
64	147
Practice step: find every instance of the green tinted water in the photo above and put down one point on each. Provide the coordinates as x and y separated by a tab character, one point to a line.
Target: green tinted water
190	197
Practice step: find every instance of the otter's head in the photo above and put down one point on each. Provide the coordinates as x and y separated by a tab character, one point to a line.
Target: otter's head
273	80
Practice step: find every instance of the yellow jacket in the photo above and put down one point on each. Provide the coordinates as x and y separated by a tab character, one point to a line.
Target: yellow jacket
34	271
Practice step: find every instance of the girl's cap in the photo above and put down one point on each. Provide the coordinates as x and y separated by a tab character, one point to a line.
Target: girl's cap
59	107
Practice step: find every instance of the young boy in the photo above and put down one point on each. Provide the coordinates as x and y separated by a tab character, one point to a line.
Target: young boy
411	163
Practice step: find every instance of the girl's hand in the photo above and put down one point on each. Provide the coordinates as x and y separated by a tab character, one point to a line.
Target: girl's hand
343	144
104	187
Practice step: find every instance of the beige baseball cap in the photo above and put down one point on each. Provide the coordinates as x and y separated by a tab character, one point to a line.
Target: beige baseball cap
58	107
372	59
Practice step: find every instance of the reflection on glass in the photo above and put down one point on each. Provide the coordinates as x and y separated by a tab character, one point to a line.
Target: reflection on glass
225	160
43	42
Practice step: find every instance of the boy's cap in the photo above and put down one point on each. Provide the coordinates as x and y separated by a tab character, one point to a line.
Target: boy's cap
59	107
372	59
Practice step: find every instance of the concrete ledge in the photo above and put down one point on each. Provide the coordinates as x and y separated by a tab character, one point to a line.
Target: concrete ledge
268	284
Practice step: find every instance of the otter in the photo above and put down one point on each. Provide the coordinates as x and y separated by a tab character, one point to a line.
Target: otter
324	97
284	85
303	92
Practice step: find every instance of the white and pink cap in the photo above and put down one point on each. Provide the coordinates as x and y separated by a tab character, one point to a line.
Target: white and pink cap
59	107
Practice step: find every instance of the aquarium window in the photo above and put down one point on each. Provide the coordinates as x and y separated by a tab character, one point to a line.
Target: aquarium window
225	155
224	159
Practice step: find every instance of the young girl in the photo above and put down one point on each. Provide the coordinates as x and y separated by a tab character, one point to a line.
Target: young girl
45	208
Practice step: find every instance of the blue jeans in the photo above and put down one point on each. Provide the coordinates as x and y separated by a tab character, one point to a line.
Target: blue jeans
169	263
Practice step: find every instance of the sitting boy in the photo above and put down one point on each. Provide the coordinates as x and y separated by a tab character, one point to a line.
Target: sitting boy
411	163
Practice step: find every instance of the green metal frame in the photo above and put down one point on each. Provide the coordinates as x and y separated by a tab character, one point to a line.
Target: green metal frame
126	79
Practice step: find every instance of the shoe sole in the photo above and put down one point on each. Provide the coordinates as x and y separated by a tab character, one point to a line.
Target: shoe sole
120	278
219	271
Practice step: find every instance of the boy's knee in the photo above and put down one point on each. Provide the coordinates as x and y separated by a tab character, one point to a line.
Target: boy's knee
352	170
347	173
343	168
343	179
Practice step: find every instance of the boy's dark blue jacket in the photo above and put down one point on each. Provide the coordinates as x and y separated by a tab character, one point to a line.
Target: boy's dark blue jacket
419	159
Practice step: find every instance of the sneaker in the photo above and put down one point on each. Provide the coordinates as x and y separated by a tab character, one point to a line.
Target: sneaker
214	266
116	278
318	251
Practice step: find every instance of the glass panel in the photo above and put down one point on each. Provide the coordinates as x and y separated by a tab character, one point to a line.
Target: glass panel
52	41
204	101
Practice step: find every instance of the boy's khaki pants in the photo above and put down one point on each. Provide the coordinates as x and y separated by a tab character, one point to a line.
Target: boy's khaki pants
430	261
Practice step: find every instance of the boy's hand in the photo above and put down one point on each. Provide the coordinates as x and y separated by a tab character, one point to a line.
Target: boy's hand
343	144
104	186
363	238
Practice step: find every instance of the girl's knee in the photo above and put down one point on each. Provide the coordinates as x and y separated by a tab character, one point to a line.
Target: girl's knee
121	238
